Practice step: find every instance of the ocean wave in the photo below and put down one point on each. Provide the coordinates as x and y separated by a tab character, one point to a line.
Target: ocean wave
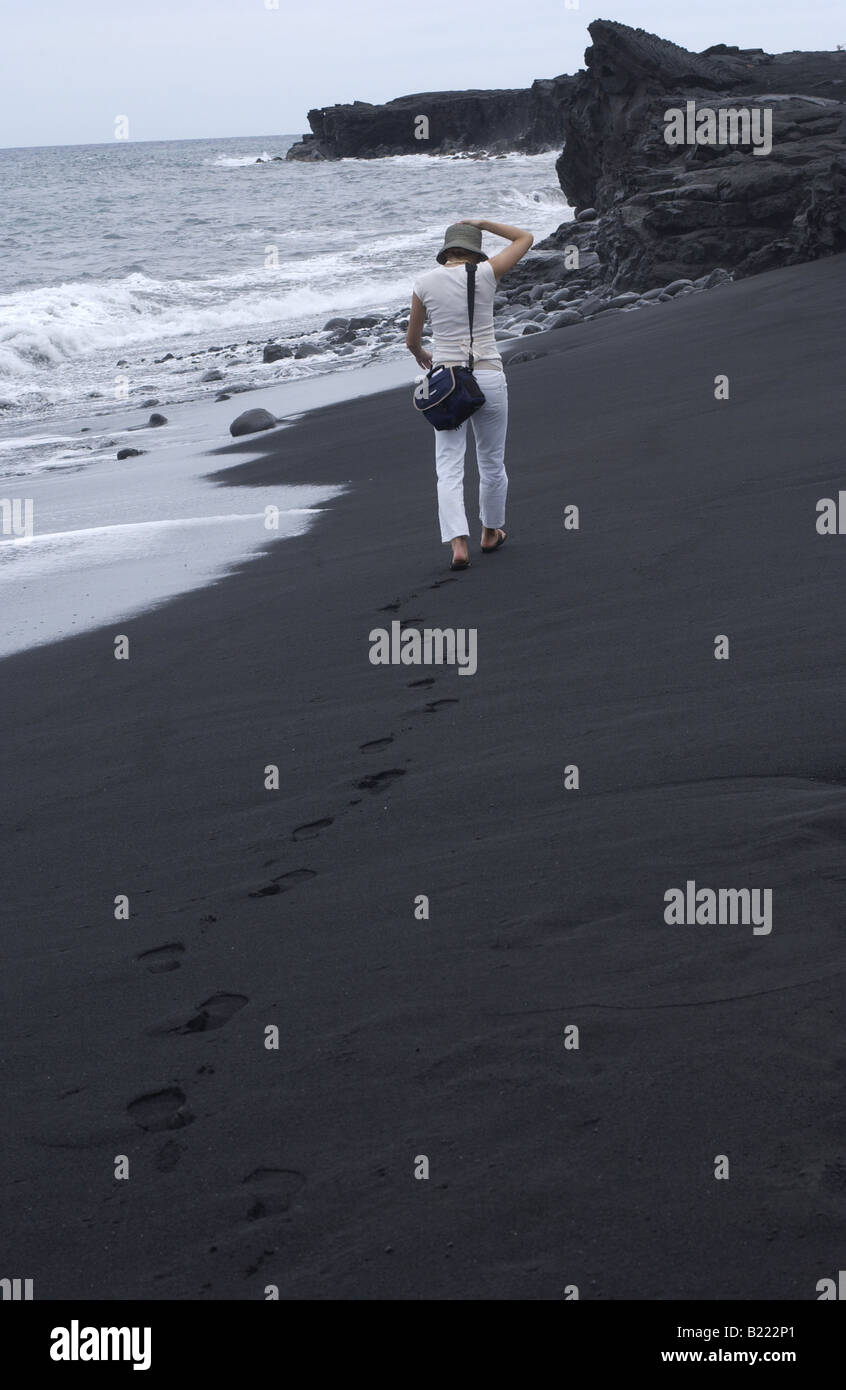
551	198
513	157
24	455
51	325
237	161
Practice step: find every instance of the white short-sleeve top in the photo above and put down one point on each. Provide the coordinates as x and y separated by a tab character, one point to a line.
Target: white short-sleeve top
443	290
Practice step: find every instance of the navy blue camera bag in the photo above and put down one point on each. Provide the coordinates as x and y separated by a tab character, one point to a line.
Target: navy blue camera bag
447	396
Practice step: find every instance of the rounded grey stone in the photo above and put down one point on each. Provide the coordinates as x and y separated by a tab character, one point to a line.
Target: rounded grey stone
565	318
251	421
274	351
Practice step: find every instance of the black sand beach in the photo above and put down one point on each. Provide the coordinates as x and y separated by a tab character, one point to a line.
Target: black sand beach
549	1166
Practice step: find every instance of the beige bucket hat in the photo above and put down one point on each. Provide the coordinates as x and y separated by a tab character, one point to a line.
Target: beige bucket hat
462	237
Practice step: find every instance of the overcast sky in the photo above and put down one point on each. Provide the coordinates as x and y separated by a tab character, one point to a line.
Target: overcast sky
183	69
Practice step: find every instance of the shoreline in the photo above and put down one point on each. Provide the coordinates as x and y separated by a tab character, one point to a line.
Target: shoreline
398	1036
138	532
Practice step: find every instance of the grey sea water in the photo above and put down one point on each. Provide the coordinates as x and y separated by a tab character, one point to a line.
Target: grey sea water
124	253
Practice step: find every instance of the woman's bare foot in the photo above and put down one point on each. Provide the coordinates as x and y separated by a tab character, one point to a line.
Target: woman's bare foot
493	537
460	557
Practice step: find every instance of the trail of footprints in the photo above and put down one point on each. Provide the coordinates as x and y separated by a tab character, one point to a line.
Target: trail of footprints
269	1190
371	782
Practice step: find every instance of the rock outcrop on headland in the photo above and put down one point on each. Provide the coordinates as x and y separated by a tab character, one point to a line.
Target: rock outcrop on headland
653	219
670	211
528	119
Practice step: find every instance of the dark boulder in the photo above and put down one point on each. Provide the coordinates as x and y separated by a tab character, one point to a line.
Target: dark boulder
523	357
251	421
565	318
274	351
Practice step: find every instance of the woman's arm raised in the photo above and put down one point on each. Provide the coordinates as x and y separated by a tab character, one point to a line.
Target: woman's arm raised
521	242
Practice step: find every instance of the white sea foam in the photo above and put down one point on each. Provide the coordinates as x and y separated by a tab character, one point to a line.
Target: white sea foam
238	161
87	547
535	198
47	327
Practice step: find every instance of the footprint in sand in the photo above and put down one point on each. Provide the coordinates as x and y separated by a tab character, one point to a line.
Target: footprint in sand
396	603
272	1190
436	704
283	883
165	1109
314	827
376	743
162	957
427	680
439	582
377	780
213	1013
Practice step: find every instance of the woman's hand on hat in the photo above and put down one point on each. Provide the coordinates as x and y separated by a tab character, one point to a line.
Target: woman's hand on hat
472	222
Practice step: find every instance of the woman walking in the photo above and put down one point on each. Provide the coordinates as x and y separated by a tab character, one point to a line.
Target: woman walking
442	293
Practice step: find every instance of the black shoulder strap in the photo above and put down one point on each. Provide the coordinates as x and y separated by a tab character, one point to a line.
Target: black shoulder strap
471	303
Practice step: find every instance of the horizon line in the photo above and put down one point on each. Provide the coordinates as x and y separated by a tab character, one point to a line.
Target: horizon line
161	140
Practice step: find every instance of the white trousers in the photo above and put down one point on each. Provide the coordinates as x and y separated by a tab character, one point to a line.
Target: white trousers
489	427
